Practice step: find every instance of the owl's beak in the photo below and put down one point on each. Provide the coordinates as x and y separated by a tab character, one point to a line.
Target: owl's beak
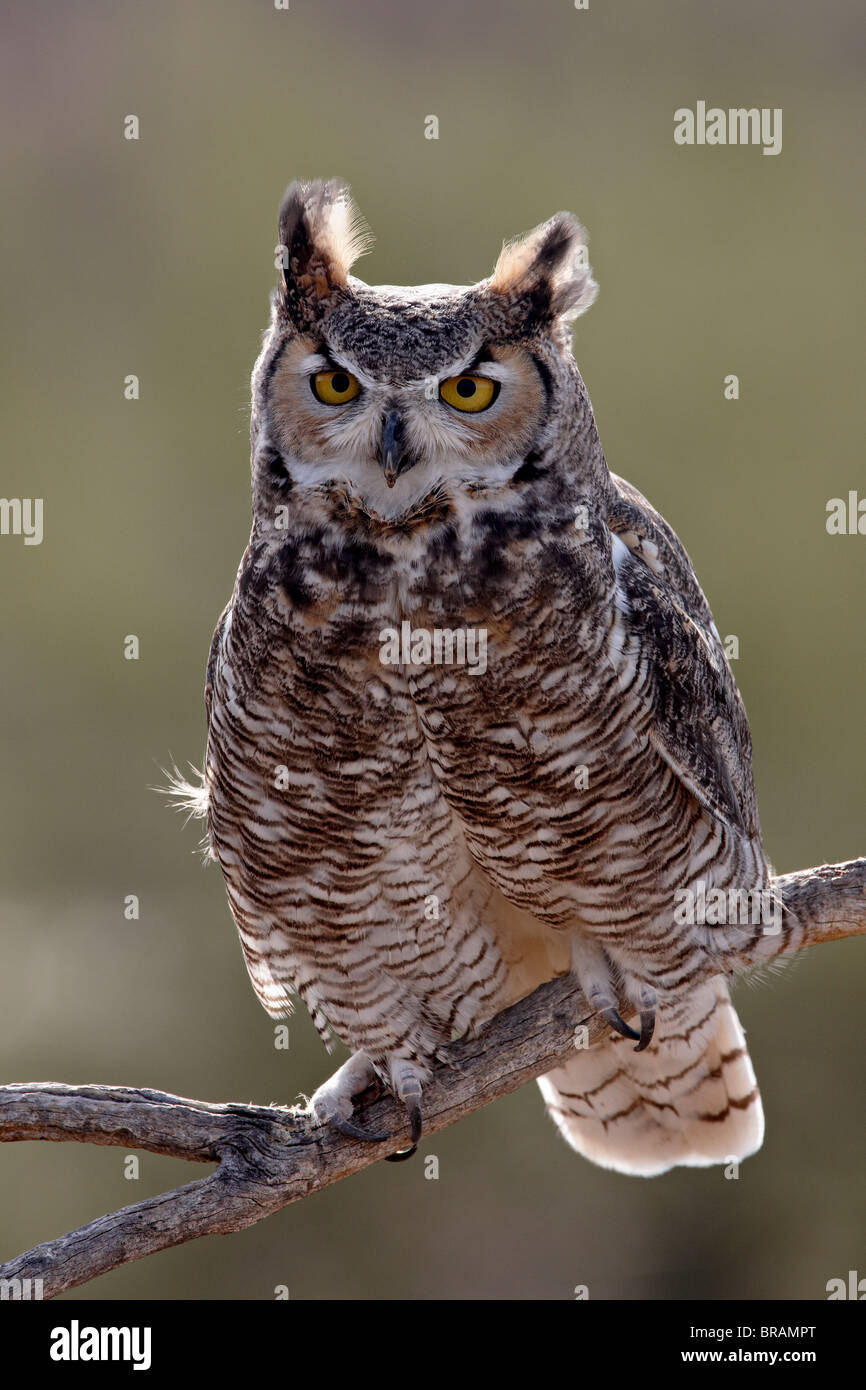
392	457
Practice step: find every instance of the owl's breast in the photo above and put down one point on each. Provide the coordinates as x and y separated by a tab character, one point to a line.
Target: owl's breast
341	854
530	687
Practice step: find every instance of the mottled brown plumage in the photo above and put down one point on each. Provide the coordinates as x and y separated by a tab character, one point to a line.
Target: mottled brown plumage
410	846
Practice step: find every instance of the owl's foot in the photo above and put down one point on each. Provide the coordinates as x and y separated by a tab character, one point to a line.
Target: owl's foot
406	1083
596	974
333	1103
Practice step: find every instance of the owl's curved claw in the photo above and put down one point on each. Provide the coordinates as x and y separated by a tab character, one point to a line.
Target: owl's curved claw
413	1110
647	1028
621	1026
647	1000
401	1155
353	1131
407	1084
416	1123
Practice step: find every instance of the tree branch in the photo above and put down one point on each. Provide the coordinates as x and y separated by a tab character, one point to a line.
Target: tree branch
269	1157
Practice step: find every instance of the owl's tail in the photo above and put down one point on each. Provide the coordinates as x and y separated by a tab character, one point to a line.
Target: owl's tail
690	1098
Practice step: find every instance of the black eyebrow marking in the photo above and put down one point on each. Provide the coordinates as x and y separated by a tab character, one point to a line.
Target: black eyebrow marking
545	374
482	355
272	365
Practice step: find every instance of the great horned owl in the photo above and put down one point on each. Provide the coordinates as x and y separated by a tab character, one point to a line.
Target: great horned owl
471	725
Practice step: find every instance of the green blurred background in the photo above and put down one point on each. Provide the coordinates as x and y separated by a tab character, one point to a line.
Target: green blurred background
155	257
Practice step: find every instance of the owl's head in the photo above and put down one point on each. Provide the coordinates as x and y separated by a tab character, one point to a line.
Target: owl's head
386	396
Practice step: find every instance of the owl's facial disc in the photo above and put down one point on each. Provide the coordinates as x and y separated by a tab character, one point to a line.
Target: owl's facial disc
393	395
393	443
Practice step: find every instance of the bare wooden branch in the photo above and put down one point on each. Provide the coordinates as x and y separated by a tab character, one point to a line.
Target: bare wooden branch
830	902
269	1157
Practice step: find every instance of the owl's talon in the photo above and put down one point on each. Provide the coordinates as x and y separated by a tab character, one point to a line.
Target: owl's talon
594	971
646	999
621	1026
406	1081
413	1110
401	1155
353	1131
647	1028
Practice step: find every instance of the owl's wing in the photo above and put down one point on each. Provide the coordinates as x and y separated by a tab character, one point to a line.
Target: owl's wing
213	656
699	726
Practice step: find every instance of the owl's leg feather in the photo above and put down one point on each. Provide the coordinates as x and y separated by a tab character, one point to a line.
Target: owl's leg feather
406	1079
332	1104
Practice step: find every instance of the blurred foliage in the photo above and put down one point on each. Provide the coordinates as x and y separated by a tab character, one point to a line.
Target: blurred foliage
155	257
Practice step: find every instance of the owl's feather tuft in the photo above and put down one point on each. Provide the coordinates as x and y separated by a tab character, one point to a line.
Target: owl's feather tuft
548	268
185	794
190	795
323	234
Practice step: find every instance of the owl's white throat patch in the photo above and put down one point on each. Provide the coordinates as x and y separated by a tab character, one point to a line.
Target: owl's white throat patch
419	487
364	481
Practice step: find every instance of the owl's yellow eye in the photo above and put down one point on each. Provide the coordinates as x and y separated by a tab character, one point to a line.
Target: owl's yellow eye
335	388
469	393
